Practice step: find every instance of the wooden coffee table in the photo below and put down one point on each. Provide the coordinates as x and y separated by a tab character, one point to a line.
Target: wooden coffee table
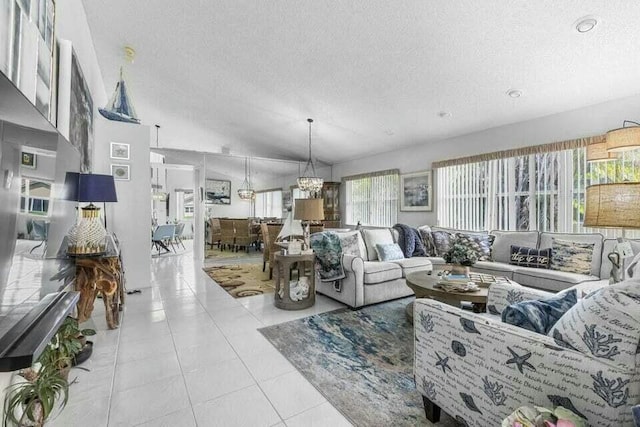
423	285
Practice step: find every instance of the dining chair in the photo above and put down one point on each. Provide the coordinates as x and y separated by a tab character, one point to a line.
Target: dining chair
163	236
40	231
266	241
215	235
227	233
245	236
177	237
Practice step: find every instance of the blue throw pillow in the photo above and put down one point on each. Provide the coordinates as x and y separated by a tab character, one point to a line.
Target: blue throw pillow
539	315
389	252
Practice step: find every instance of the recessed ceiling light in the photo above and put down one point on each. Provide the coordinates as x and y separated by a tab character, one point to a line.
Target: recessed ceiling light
585	24
444	114
514	93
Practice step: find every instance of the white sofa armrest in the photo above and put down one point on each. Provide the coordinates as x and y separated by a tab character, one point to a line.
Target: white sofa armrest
479	370
352	286
353	264
503	294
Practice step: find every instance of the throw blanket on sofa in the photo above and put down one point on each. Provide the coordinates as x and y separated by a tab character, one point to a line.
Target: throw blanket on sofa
328	251
410	241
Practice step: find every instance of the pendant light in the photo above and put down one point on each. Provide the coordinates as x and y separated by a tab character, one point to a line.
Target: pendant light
157	193
309	181
624	138
246	192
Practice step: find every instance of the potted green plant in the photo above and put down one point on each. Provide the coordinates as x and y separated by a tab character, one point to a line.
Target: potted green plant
460	257
42	394
68	347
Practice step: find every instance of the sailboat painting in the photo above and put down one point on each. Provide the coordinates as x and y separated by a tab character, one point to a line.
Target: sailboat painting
120	108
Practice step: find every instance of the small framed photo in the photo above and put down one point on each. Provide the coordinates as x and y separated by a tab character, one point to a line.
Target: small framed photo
120	151
416	191
120	172
28	160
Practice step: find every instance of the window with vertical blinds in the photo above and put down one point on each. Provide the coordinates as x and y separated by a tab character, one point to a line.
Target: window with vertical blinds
372	199
268	204
541	191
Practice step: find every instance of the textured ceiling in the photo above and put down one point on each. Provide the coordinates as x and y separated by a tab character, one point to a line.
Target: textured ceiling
373	74
263	171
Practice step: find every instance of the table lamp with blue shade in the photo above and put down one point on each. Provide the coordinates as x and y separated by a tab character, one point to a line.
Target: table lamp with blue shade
88	235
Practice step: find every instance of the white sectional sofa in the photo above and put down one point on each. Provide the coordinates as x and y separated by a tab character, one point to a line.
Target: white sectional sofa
369	280
545	279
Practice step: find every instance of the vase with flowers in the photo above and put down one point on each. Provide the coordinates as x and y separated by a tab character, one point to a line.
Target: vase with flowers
461	258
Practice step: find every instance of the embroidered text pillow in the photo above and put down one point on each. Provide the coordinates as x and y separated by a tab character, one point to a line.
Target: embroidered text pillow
529	257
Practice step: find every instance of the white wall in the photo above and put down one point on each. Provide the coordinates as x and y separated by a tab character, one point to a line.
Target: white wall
71	24
583	122
130	217
237	209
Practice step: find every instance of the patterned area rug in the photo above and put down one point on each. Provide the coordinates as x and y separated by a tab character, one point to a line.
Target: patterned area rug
216	253
361	361
241	280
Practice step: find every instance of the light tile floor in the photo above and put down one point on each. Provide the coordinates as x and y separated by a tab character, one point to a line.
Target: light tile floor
188	354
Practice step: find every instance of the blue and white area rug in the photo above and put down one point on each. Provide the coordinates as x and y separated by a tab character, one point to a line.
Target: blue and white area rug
361	361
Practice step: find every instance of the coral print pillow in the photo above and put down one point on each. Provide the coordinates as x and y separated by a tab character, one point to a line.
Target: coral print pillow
605	324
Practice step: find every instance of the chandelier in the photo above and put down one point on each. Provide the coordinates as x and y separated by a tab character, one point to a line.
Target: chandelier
309	181
246	192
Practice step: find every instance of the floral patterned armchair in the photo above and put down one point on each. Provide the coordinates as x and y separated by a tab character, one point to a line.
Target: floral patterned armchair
479	370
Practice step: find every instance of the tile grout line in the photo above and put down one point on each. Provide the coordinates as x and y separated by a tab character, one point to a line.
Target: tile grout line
115	366
238	354
283	420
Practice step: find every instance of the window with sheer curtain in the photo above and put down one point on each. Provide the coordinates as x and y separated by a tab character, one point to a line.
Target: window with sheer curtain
372	199
540	191
268	204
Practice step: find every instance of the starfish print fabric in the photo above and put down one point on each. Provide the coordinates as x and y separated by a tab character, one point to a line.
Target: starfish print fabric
478	369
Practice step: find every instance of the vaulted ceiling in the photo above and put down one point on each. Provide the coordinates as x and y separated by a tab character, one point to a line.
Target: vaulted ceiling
375	75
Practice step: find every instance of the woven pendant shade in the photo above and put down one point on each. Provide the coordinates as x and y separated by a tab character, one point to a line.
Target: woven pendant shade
613	205
598	152
627	138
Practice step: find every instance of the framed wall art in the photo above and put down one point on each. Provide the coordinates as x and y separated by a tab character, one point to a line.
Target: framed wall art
416	191
120	172
218	192
120	151
28	160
